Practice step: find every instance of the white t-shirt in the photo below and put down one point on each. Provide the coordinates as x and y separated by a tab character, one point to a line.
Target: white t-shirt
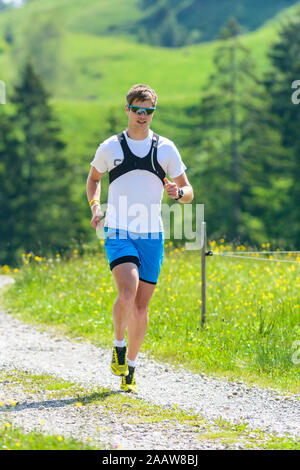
134	198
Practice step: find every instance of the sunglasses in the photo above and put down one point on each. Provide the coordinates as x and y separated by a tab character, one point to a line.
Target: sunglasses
139	110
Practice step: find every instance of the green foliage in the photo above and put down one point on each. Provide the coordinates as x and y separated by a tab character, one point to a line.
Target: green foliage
246	138
36	204
231	30
190	21
224	115
161	24
284	56
266	184
41	43
13	438
176	23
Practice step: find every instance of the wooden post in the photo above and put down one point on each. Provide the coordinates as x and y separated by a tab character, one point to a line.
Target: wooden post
203	276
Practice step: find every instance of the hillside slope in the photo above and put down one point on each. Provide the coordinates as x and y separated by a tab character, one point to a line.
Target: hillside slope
142	18
103	68
95	72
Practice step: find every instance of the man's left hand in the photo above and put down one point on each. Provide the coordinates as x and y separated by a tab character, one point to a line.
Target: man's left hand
171	188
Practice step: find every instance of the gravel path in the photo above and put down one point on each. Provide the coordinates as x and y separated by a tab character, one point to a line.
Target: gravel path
24	347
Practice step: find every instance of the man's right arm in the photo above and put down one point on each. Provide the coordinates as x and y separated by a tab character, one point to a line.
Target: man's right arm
93	191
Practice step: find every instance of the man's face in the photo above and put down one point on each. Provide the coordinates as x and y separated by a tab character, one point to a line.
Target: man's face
139	121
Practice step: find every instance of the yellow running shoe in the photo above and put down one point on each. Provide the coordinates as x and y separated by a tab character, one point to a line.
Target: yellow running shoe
128	383
119	361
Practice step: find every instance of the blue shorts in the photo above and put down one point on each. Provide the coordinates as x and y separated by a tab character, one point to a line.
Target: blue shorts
142	249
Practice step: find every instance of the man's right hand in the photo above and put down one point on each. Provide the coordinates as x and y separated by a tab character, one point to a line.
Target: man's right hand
97	216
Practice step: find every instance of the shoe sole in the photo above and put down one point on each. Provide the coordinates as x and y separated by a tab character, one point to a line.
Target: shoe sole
129	389
119	373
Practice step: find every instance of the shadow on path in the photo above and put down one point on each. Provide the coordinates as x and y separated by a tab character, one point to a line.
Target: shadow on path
85	399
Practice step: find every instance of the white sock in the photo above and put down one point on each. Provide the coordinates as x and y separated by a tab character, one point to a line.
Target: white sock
131	363
120	344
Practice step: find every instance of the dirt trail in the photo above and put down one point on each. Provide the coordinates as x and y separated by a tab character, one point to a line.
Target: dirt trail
25	347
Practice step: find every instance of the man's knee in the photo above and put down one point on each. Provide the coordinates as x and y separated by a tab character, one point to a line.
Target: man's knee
127	294
140	311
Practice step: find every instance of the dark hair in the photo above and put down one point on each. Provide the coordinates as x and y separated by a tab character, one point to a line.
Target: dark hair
142	93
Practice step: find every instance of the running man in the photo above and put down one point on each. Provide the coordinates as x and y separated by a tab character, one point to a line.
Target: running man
137	161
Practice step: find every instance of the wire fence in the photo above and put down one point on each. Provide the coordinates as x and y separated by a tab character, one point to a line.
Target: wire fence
235	254
264	252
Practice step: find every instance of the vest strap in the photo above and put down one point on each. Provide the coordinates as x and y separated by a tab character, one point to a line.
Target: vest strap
132	162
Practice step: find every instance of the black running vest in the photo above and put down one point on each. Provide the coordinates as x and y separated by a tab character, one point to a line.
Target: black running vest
132	162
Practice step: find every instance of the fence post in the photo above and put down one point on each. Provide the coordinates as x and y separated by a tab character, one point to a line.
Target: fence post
2	92
203	276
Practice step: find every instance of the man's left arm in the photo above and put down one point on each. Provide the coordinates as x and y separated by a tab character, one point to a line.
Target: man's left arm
180	182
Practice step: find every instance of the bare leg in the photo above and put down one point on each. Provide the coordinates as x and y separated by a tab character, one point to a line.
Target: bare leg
139	318
127	281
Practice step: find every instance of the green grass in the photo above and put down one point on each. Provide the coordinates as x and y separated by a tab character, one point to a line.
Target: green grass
13	438
107	57
31	383
252	311
227	433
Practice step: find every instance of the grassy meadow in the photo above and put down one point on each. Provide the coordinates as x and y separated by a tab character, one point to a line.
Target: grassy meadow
13	438
252	309
252	306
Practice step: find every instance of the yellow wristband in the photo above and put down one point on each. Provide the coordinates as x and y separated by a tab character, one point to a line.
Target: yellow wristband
92	200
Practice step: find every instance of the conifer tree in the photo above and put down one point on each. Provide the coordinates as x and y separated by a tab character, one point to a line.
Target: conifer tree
223	111
36	178
11	188
284	57
242	165
161	20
